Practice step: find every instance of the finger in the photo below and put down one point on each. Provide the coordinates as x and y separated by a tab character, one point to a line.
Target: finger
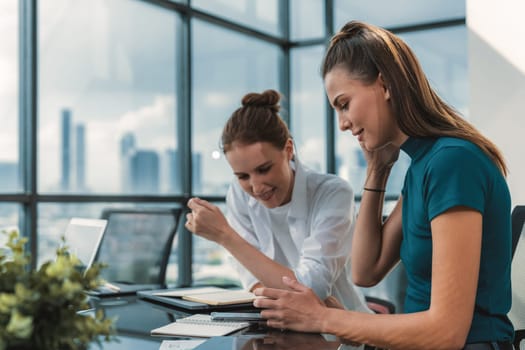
294	285
203	203
191	203
272	293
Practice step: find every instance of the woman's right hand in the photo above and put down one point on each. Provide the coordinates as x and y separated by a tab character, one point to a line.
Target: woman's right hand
207	220
381	159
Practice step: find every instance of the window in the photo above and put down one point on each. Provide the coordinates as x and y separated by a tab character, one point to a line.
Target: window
225	66
9	64
107	119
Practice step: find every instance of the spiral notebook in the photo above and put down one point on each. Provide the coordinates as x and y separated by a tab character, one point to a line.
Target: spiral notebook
199	325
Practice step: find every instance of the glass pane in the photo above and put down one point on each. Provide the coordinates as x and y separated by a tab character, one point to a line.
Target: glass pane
54	217
308	103
211	262
387	13
261	15
307	19
222	76
9	216
443	56
107	117
9	154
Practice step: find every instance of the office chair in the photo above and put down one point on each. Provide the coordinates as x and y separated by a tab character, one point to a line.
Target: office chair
380	306
518	221
137	245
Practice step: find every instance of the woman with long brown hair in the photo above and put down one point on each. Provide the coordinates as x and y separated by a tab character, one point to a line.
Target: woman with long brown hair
450	226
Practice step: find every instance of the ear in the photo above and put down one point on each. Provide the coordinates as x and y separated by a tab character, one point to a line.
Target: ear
382	83
288	148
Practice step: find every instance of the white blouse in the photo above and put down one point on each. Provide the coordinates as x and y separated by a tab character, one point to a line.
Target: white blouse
311	235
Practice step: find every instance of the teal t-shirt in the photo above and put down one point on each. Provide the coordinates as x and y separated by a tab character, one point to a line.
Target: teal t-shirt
445	173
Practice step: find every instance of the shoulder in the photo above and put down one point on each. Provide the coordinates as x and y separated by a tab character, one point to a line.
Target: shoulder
321	185
449	154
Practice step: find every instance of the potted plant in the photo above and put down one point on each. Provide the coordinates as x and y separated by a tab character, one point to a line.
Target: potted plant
39	308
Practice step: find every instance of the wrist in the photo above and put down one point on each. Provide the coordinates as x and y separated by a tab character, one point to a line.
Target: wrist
376	190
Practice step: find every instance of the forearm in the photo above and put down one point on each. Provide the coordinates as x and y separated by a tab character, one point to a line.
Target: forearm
264	269
367	240
422	330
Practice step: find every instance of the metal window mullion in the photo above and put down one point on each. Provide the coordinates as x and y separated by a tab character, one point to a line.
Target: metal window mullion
184	142
329	117
28	52
284	64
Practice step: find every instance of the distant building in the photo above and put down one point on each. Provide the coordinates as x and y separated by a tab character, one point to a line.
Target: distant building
127	149
173	175
80	157
144	166
72	154
65	151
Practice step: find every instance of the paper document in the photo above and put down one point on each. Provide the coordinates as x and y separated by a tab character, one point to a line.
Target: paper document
180	344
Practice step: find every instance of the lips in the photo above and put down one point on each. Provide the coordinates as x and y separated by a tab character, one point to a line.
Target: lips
359	132
266	195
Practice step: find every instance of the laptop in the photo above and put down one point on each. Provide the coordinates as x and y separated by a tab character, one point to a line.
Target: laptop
83	237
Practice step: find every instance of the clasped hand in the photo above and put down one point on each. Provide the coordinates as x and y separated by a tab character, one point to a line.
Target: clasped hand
206	220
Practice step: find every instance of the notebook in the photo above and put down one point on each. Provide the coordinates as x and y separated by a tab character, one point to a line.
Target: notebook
201	298
199	325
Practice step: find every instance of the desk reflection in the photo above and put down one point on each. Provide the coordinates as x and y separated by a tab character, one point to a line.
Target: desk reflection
135	318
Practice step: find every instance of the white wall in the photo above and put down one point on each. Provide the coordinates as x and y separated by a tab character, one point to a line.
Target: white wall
497	103
497	80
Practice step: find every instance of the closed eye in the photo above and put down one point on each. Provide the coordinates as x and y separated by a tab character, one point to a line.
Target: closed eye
242	176
264	170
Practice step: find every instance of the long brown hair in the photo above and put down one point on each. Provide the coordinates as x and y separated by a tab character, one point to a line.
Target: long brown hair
366	51
257	120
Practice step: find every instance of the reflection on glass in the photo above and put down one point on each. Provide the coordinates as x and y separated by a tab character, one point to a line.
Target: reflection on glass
307	19
308	107
226	66
261	15
211	262
106	97
387	13
9	177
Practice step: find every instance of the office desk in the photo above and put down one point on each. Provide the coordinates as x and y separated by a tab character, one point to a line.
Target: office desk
135	319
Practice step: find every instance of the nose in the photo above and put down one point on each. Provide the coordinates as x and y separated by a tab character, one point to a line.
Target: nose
344	124
256	185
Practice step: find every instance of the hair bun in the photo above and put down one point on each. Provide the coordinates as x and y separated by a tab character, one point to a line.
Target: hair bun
267	99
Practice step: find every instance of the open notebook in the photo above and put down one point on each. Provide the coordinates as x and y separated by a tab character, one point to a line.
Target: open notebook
201	298
199	325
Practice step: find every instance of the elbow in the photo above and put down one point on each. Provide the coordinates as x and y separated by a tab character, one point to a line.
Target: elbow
364	279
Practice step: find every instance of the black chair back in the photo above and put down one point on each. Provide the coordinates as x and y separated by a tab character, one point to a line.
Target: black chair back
137	244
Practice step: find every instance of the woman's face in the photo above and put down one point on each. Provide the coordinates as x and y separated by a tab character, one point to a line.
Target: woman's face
263	171
363	109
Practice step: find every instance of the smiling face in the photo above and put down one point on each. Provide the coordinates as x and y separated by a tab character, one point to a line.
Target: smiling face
362	109
263	171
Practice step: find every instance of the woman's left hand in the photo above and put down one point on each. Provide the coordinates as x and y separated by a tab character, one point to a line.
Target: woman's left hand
206	220
298	309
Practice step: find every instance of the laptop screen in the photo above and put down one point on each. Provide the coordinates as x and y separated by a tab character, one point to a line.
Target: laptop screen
83	237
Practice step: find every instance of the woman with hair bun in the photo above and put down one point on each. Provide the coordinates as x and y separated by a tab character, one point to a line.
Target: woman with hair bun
283	219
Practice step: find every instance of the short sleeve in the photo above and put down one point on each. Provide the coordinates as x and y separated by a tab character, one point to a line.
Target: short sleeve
456	176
